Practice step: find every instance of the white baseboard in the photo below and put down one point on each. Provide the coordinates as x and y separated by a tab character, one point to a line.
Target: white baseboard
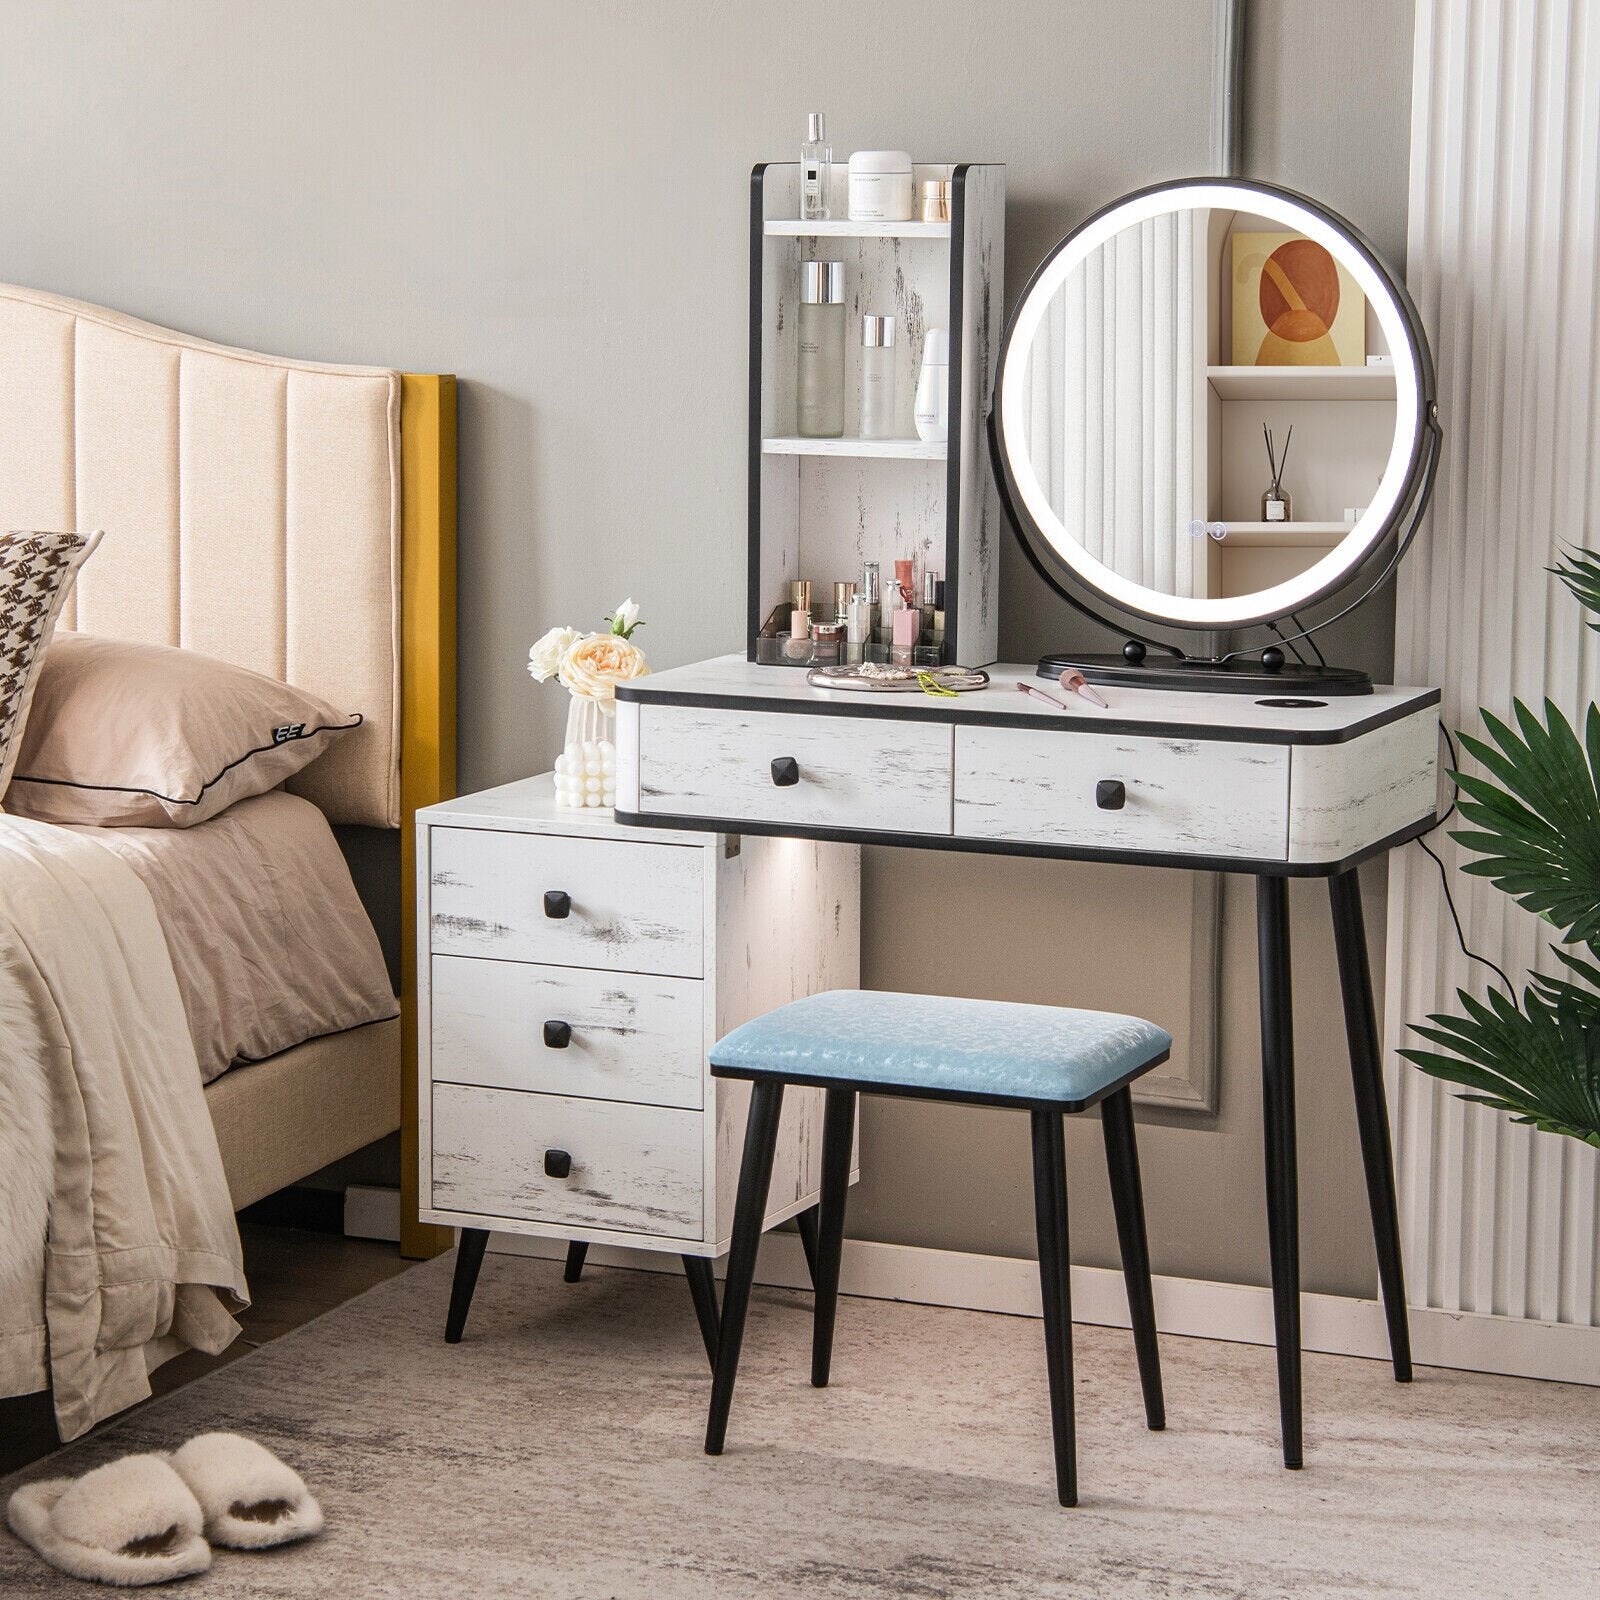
1189	1307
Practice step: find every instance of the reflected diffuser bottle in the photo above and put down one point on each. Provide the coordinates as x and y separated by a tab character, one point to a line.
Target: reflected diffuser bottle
820	408
877	377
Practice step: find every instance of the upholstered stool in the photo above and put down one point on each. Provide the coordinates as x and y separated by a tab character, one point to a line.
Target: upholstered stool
1042	1059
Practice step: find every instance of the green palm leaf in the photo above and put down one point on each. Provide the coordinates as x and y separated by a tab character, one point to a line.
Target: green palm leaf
1581	574
1537	825
1539	1062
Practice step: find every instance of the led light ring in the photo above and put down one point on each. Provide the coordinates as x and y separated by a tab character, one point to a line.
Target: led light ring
1394	488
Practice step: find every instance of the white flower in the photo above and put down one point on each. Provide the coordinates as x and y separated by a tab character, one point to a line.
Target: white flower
595	663
545	657
625	618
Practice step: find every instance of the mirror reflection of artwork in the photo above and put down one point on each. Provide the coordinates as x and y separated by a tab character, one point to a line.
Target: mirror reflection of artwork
1294	305
1111	387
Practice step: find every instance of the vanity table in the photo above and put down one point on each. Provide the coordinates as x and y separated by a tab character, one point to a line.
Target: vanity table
1160	779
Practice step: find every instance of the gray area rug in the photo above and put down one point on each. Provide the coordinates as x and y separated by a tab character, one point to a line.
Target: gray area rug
556	1453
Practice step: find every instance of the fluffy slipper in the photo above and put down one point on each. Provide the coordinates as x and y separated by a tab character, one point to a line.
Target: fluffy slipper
131	1522
250	1499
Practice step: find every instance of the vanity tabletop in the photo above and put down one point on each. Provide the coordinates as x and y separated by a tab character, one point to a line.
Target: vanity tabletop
735	683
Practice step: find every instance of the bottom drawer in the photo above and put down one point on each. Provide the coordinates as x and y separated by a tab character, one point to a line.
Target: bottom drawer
635	1169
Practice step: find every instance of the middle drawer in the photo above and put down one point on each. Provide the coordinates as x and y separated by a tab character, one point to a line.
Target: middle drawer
627	1036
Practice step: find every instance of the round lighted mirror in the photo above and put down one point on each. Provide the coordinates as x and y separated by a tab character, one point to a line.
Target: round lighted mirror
1155	353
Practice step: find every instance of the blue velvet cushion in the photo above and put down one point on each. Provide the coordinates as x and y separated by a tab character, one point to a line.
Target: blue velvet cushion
984	1048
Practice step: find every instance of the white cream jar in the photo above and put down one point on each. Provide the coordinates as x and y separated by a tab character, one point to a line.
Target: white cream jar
880	186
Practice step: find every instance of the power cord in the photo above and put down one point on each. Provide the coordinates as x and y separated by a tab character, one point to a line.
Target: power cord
1444	872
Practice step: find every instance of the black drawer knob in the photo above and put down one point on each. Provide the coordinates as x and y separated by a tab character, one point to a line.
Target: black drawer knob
557	1164
1111	794
785	772
558	1035
557	903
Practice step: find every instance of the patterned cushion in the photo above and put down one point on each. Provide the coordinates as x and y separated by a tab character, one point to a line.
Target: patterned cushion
989	1050
36	571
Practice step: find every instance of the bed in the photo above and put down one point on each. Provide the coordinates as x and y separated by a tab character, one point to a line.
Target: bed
290	517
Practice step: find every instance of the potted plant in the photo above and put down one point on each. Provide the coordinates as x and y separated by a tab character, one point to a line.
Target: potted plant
1534	815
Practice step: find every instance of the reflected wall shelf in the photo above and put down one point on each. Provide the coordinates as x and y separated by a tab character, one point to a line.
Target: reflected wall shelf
1302	383
887	449
1275	534
820	508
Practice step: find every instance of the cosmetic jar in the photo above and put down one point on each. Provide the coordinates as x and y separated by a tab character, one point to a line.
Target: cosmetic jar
936	200
880	186
827	644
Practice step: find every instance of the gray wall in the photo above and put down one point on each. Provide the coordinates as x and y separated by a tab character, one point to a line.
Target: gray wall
550	201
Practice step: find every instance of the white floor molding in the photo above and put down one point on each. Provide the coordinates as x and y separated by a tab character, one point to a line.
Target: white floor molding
1241	1313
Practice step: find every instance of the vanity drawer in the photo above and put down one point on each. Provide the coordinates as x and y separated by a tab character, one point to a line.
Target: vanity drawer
635	1169
865	773
1182	796
628	1036
629	907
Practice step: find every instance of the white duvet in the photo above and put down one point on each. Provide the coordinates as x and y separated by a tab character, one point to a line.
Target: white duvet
118	1245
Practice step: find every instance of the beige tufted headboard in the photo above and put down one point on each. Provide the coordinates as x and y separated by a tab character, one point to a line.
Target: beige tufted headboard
251	508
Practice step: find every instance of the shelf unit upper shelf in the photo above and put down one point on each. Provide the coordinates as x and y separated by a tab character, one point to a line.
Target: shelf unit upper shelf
843	228
1272	535
1302	383
882	449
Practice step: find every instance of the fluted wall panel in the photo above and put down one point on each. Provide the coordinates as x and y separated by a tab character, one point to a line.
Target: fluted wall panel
1502	259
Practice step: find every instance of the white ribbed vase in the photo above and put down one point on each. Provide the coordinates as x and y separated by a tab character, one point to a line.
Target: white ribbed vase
586	769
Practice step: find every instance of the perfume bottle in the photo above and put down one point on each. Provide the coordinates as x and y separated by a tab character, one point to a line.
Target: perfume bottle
816	170
820	413
877	377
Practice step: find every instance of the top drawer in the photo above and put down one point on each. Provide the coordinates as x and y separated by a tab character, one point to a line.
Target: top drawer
861	773
1202	797
629	907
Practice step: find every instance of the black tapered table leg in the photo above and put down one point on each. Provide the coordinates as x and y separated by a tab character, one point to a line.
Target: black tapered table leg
1372	1111
469	1257
806	1226
703	1290
1277	1113
749	1212
1050	1217
576	1253
1127	1200
838	1137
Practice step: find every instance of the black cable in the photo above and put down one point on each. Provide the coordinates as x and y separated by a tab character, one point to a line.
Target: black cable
1298	653
1444	874
1309	637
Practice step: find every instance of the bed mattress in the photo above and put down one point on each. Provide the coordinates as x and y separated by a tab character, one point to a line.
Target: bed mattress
268	938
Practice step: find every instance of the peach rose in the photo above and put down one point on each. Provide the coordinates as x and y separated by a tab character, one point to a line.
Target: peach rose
596	663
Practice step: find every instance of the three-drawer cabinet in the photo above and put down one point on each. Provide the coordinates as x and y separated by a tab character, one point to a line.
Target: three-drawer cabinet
575	973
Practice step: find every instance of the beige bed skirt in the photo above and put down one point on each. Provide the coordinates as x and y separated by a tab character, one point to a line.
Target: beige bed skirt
282	1119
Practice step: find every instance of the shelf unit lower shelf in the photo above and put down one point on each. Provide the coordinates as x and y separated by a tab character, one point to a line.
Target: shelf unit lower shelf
881	449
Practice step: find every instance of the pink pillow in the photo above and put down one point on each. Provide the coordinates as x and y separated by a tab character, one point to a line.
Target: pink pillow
149	736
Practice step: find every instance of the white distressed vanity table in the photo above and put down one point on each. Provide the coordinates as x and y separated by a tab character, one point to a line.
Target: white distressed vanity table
1307	787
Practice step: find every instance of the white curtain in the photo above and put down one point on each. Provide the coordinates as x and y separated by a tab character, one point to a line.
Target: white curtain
1112	392
1504	240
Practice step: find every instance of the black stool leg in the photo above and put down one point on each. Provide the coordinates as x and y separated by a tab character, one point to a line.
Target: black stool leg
469	1257
1050	1216
576	1252
1372	1111
838	1134
703	1290
1127	1199
755	1178
806	1226
1277	1111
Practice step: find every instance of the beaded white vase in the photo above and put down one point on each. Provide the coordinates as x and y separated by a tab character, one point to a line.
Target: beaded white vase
586	769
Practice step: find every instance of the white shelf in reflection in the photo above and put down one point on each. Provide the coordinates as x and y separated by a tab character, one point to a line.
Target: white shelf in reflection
1286	534
1302	383
842	228
897	449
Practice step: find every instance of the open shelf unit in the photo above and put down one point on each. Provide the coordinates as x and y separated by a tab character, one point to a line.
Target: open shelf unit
821	508
1343	420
